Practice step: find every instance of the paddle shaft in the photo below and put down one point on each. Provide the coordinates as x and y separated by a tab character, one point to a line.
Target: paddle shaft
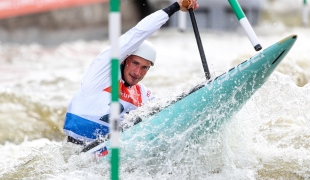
200	47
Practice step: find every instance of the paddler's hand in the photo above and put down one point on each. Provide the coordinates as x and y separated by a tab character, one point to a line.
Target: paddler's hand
188	4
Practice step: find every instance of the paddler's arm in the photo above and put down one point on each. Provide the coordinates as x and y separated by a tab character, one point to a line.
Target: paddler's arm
133	38
97	77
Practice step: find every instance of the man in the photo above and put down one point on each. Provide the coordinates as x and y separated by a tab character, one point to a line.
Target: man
88	113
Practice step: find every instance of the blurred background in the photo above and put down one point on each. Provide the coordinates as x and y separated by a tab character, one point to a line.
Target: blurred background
53	22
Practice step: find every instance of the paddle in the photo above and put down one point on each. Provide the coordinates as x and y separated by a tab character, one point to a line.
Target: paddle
200	47
103	139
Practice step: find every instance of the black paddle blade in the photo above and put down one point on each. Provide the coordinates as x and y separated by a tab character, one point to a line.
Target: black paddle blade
94	143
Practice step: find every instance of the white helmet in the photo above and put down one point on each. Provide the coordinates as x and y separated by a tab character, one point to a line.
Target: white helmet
147	51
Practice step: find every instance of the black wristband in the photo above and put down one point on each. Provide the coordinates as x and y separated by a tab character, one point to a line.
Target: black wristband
170	10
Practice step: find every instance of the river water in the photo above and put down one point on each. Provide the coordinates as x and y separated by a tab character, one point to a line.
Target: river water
269	138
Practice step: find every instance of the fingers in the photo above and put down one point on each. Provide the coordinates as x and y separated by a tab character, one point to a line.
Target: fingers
188	4
195	6
192	4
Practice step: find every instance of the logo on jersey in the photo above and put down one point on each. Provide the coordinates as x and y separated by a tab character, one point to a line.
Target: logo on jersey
148	93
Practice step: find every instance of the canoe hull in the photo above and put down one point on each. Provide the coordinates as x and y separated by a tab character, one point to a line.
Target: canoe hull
205	108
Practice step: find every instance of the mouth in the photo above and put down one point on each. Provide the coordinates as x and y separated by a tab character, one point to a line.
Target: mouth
134	78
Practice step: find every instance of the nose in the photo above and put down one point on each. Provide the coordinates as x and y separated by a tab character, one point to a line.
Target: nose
137	71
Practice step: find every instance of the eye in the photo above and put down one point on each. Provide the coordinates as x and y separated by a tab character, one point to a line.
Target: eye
135	63
145	68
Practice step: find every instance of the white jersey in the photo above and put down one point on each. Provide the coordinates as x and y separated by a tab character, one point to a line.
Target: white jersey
87	115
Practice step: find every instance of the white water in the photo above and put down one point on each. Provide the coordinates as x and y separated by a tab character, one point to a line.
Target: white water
268	139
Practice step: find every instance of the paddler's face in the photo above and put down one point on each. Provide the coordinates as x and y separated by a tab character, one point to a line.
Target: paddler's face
135	69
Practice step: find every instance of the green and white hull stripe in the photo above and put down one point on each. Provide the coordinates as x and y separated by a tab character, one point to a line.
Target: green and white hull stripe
245	24
114	33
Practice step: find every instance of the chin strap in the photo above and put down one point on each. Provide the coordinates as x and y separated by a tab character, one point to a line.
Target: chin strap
122	67
126	84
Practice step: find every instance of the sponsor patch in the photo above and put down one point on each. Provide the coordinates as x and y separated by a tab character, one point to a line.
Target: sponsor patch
102	152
